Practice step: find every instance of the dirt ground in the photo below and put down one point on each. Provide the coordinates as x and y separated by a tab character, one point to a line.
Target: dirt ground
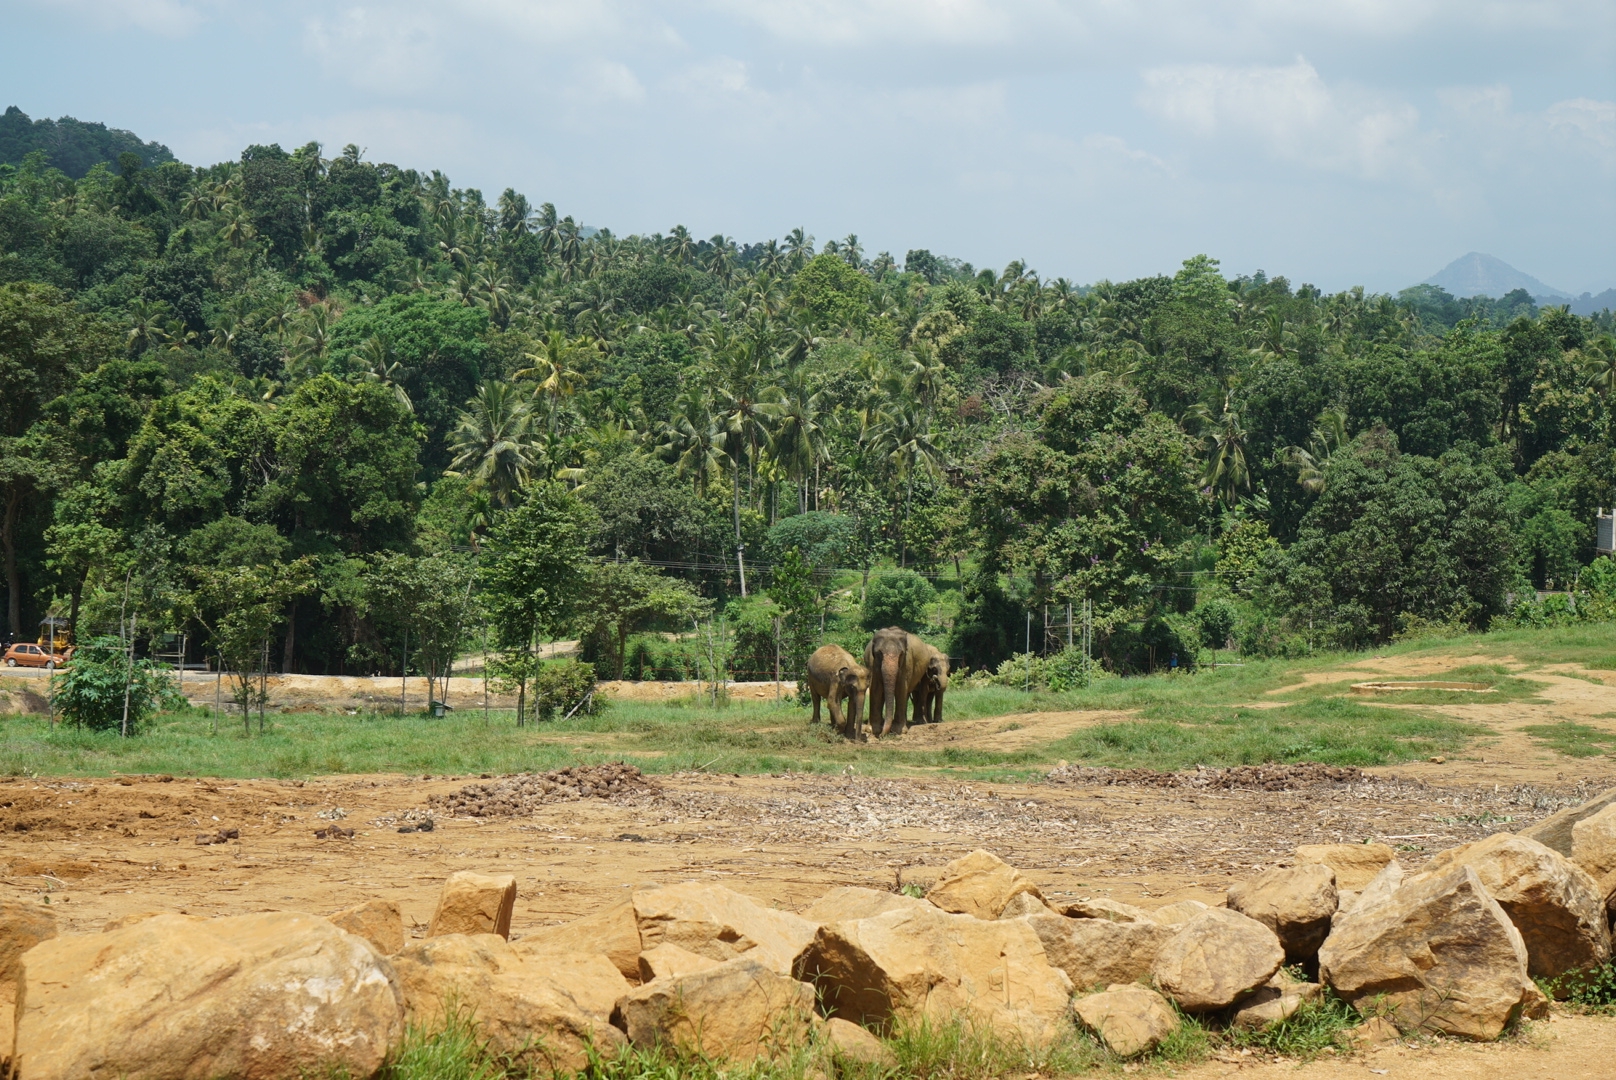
101	849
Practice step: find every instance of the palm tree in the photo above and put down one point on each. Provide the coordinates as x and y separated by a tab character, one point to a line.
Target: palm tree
695	440
377	364
237	229
1599	364
148	324
493	442
1227	472
313	338
493	293
799	246
852	250
797	440
1329	436
681	245
552	369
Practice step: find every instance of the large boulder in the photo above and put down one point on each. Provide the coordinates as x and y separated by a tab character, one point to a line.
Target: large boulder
1178	913
671	962
1215	959
251	996
613	932
926	964
1439	953
1593	847
377	921
1098	952
1275	1001
520	1011
591	978
1130	1019
1295	903
1355	865
1102	908
1556	906
849	1042
737	1010
473	903
852	902
1556	830
22	926
979	884
712	921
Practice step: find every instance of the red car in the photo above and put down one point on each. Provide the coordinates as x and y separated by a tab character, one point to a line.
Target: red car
27	654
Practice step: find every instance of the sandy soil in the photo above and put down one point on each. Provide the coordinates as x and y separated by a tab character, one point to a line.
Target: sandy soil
99	850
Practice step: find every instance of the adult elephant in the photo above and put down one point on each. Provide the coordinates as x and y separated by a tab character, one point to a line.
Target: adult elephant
928	695
896	660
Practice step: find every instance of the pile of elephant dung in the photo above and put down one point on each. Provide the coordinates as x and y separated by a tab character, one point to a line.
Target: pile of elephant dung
1304	774
519	795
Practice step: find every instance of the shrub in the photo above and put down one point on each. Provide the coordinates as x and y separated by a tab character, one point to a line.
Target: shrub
90	689
898	599
567	687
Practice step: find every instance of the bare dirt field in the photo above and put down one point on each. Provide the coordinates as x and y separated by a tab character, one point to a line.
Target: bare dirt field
100	849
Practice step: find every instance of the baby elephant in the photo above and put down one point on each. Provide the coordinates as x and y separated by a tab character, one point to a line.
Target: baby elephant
933	684
833	674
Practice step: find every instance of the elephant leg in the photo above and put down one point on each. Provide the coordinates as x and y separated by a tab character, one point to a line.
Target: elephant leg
837	723
900	713
815	694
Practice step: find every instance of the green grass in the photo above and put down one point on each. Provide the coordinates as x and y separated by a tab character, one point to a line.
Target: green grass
1173	721
1334	731
1573	739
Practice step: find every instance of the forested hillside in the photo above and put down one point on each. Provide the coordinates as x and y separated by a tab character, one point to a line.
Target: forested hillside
363	413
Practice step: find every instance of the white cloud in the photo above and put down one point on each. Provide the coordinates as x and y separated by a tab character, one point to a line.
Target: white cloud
607	81
1594	121
170	18
862	22
1290	112
385	50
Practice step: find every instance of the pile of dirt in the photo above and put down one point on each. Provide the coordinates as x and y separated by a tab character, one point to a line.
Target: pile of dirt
1242	777
513	796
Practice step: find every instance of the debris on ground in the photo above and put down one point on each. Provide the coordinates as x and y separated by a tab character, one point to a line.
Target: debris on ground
1244	777
521	794
220	837
334	832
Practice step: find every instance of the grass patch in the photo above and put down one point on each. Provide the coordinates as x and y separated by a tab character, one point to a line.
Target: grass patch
1573	739
1334	731
1174	721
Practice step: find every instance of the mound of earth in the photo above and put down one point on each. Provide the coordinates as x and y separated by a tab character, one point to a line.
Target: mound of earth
512	796
1248	777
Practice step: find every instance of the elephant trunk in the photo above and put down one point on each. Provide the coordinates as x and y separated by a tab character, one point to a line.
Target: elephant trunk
889	686
855	711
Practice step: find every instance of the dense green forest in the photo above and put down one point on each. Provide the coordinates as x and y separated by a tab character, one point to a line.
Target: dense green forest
351	409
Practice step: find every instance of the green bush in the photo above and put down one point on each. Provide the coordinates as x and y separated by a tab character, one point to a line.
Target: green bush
898	599
567	687
89	691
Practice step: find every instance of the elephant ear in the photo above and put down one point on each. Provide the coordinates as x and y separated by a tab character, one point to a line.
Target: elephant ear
841	671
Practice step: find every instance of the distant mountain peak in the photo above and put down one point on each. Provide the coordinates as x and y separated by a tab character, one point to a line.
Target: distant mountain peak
1477	274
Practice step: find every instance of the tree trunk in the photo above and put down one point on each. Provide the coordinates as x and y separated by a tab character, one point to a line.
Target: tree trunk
736	503
8	538
73	611
291	638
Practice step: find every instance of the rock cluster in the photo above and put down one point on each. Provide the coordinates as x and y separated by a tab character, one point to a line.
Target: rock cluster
700	969
515	796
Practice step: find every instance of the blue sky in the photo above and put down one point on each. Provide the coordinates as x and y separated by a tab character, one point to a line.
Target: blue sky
1340	142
